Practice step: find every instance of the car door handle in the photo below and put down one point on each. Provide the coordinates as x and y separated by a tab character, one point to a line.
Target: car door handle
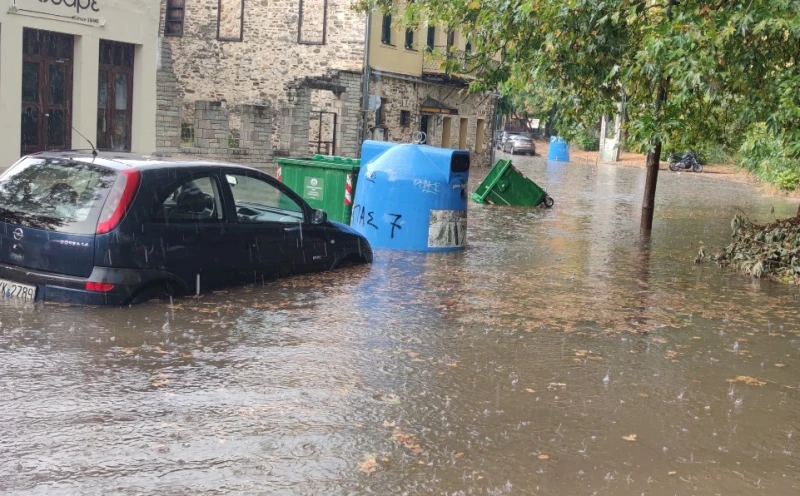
293	228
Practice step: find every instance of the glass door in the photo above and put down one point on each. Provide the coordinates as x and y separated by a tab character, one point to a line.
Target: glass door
46	91
115	96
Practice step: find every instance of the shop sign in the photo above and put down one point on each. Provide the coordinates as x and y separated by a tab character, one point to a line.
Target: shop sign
80	11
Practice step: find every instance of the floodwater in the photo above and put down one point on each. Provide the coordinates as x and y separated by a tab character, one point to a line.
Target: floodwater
558	354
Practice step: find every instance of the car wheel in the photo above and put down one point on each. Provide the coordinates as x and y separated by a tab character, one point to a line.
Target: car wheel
349	261
157	290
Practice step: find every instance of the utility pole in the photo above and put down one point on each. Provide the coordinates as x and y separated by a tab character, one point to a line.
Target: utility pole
365	82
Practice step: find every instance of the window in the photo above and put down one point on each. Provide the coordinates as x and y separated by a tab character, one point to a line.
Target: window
447	130
46	91
57	195
468	47
115	96
312	24
258	201
173	22
405	118
409	39
431	41
462	134
380	113
480	131
386	30
230	20
451	40
191	201
187	133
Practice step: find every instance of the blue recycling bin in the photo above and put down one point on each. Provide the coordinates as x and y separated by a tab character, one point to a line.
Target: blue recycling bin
413	197
371	149
559	149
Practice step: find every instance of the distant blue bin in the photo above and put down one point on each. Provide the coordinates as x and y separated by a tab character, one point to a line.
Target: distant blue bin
412	197
559	149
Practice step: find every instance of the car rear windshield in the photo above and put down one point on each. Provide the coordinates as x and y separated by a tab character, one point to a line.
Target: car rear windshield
55	194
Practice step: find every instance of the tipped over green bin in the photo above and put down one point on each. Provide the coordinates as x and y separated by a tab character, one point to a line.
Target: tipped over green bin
505	185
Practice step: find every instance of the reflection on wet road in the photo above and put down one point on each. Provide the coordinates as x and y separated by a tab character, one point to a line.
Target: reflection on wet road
557	355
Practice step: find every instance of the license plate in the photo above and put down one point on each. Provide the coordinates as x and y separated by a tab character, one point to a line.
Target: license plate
11	289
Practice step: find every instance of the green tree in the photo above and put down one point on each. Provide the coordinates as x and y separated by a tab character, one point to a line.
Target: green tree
688	69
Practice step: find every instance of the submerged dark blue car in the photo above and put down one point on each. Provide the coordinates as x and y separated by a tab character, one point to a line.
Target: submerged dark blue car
91	230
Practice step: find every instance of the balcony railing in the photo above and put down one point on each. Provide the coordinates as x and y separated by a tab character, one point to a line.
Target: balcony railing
442	58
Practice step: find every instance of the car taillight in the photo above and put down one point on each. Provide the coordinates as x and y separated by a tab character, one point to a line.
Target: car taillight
118	201
101	287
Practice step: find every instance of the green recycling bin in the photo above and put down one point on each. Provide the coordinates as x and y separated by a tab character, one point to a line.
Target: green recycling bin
326	183
505	185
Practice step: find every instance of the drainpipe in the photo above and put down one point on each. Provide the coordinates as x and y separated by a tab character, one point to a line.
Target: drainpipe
365	83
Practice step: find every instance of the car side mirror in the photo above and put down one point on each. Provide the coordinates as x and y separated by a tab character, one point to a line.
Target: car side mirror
232	180
319	217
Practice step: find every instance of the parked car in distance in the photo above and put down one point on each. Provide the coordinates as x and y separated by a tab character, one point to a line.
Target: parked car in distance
110	231
519	144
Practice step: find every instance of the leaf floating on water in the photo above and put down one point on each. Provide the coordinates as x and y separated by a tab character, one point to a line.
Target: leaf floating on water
750	381
659	340
409	441
780	365
630	437
369	465
644	395
672	473
529	390
543	457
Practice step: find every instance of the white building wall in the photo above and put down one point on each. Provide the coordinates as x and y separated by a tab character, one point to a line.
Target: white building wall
129	21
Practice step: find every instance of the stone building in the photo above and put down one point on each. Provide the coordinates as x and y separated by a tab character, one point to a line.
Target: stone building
412	97
246	81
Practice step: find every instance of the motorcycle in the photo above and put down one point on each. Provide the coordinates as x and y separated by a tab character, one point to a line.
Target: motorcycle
685	162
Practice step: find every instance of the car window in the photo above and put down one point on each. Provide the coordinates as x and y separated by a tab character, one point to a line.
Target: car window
193	200
55	194
257	200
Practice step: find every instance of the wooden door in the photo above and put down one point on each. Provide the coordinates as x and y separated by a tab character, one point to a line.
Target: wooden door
115	96
46	91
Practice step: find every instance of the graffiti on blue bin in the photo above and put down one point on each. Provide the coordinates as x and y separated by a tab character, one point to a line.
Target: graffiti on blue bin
361	217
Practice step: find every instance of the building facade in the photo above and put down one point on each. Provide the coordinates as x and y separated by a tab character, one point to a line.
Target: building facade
412	98
249	81
73	71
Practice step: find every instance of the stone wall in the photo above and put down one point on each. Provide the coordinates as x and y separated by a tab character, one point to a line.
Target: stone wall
340	91
240	134
402	94
265	69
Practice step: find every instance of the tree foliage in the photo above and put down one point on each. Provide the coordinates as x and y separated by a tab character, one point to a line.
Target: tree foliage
722	64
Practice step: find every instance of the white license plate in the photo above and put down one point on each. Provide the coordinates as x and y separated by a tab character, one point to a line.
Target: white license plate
11	289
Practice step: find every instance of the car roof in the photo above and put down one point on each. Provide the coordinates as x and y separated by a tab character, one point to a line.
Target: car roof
124	160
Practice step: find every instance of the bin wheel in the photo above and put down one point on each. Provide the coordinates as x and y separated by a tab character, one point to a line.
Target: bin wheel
549	202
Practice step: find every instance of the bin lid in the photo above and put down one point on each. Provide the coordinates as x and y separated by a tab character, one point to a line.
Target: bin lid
323	162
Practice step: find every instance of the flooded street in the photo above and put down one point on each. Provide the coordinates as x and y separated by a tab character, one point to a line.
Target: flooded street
558	354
